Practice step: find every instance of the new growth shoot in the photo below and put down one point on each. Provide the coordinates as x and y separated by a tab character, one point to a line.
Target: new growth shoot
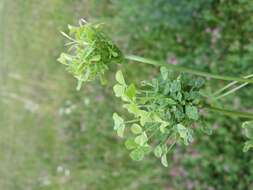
91	52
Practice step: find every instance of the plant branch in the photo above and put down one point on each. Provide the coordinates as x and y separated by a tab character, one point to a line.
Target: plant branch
186	70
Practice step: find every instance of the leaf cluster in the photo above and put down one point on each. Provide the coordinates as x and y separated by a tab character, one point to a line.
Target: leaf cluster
90	53
164	111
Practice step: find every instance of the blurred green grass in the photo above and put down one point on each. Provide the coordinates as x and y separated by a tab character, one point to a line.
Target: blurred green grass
52	137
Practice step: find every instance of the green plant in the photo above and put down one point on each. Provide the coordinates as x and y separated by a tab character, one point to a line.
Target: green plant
164	112
91	53
208	35
248	130
164	109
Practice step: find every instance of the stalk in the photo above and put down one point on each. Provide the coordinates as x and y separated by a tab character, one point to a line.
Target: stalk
231	84
186	70
131	121
230	112
231	91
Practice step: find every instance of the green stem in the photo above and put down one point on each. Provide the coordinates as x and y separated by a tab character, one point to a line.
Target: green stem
146	91
231	91
186	70
231	84
230	112
131	121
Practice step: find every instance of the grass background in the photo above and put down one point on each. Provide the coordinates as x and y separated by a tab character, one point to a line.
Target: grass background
55	138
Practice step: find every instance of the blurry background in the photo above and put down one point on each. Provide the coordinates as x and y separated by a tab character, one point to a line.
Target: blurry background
53	137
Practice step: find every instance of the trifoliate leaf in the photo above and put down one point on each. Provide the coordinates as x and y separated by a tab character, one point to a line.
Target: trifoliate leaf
131	108
119	77
184	133
146	148
144	117
248	129
141	139
192	112
136	129
118	121
164	160
120	130
158	151
119	90
131	144
137	154
131	92
178	111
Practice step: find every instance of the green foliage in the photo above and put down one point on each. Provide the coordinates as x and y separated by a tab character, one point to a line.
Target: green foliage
211	35
91	53
208	34
137	154
163	110
119	124
248	131
164	160
192	112
215	162
215	36
136	129
184	133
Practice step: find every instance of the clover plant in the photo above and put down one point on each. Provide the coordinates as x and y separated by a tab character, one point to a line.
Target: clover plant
164	110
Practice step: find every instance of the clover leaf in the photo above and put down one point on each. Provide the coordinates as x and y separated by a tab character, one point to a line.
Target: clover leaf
119	124
120	78
137	154
192	112
136	129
